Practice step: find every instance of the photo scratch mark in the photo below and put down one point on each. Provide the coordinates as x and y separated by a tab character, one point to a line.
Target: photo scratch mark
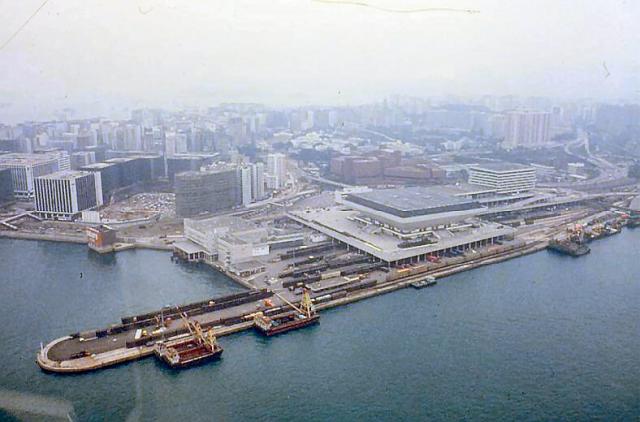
145	11
606	70
24	24
393	10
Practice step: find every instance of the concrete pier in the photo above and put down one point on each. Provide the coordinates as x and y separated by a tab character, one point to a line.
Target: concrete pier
57	356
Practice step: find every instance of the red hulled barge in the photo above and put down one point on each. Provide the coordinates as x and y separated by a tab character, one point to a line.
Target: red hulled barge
195	349
302	316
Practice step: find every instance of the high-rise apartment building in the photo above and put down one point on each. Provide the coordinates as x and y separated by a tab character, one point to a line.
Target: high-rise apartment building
276	171
169	144
82	158
63	194
497	125
245	185
182	144
527	129
257	181
133	137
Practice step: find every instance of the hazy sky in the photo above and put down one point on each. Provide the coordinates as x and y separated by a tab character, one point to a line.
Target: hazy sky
104	55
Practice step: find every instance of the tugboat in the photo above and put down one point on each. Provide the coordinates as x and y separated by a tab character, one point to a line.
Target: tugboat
425	282
195	349
281	323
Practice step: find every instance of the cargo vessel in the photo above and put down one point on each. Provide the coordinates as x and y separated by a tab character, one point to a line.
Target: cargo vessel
194	349
568	247
302	316
429	281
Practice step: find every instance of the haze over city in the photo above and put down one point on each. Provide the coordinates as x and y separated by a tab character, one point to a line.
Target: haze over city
192	192
102	58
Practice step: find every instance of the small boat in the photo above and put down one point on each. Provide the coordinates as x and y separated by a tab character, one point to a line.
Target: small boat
429	281
192	350
281	323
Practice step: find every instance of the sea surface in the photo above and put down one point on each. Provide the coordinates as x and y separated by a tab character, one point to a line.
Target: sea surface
543	337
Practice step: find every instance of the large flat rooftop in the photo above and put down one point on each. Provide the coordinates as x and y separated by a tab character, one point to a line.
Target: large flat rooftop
121	159
412	201
343	225
500	167
196	174
98	166
22	159
211	224
66	175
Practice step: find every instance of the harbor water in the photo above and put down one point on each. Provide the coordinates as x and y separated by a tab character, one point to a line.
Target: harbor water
542	337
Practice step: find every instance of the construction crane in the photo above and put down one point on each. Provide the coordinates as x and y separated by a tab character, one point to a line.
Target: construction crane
195	329
307	305
308	308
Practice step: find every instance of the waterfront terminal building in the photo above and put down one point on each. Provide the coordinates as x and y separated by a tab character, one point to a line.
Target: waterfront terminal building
405	225
237	245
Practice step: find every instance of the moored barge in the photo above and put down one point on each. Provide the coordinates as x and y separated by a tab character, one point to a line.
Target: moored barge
300	317
195	349
428	281
569	248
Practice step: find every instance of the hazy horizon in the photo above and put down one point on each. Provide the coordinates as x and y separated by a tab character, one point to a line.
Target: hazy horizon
103	57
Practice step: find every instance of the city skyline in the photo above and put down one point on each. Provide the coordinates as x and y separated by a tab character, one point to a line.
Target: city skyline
452	187
110	58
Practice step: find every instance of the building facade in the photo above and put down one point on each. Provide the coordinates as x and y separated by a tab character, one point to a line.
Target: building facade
63	194
236	244
505	178
276	171
6	186
82	158
404	225
211	190
26	167
101	238
527	129
109	177
257	181
246	193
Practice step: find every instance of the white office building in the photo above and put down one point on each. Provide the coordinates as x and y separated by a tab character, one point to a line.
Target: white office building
26	167
504	178
63	194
